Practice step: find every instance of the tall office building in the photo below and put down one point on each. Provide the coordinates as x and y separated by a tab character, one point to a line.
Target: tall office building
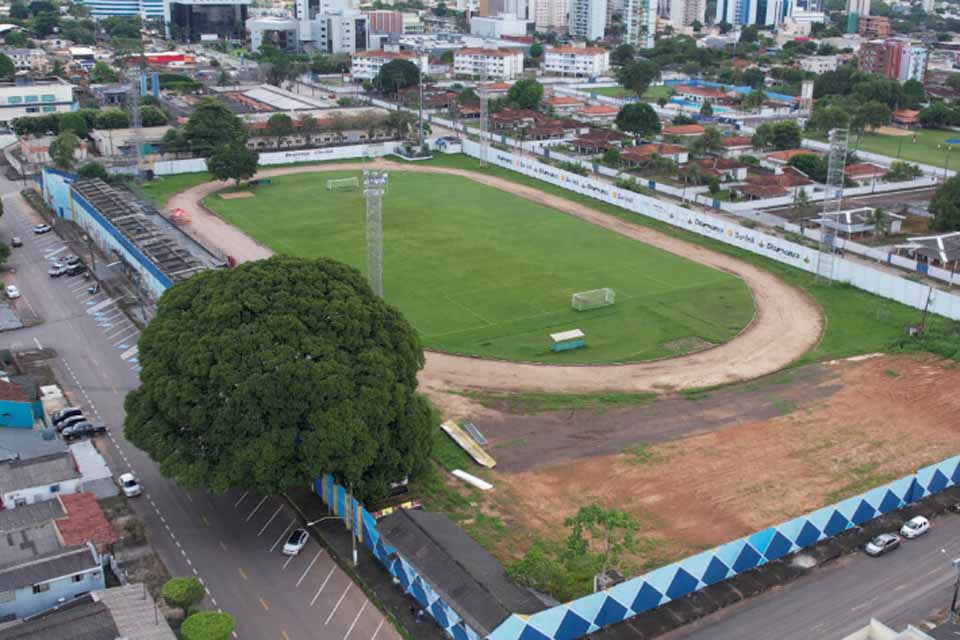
753	12
640	22
146	9
587	19
894	58
684	13
550	14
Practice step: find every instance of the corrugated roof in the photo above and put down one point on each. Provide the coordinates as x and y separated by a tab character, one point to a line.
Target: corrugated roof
37	472
48	567
80	619
468	578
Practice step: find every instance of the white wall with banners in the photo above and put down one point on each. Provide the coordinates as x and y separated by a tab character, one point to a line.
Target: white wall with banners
887	285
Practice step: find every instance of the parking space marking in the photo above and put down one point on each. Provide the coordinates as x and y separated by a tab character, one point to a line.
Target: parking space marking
263	603
339	602
357	617
275	513
223	546
309	566
256	508
322	586
289	560
242	573
374	636
237	503
281	536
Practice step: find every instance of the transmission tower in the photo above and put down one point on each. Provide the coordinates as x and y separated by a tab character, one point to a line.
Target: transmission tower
832	201
374	186
135	77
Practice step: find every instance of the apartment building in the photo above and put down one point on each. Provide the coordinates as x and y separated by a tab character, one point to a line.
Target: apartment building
494	64
894	58
577	62
683	13
365	65
26	97
587	19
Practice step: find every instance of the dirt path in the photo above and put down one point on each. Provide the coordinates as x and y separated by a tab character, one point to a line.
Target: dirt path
787	323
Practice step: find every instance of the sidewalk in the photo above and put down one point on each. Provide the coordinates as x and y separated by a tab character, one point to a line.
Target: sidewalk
369	574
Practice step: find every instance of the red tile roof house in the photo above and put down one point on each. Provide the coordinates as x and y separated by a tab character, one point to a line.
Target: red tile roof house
683	131
598	114
84	522
780	159
598	141
723	168
788	182
735	146
563	105
640	154
865	173
705	94
906	117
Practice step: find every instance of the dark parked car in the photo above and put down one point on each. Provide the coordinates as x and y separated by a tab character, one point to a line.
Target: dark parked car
76	269
83	429
59	416
16	241
69	422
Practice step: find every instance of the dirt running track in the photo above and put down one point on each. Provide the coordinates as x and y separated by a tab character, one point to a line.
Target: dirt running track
786	325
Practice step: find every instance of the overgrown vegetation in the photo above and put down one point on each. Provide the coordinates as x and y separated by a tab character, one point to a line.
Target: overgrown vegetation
540	402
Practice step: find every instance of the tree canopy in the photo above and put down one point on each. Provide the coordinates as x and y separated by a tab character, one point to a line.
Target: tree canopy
637	76
207	625
945	206
525	94
233	161
7	68
102	73
183	593
211	124
396	75
275	372
638	118
779	135
62	149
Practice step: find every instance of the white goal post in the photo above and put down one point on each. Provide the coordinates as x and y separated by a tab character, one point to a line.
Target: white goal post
343	184
594	299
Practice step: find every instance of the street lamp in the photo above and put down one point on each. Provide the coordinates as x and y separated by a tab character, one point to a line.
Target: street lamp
946	158
353	534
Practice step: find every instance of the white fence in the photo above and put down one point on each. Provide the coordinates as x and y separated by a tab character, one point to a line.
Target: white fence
893	287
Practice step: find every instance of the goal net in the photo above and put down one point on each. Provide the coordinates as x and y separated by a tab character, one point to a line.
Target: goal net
343	184
587	300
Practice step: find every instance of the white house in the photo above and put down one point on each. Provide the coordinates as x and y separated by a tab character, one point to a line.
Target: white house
38	479
493	64
365	65
819	64
576	61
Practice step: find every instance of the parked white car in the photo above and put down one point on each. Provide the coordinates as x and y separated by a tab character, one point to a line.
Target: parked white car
131	488
296	542
12	291
915	527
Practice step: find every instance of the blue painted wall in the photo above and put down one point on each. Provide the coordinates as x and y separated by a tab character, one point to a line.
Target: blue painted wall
18	415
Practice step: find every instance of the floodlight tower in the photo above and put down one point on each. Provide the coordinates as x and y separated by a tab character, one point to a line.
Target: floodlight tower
832	201
374	186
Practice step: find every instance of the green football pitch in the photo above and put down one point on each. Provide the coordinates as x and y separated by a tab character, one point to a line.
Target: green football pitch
483	272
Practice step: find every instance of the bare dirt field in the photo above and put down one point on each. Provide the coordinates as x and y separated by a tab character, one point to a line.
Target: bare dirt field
748	455
787	323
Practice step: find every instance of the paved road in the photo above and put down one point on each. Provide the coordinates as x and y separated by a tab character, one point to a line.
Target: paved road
906	587
230	541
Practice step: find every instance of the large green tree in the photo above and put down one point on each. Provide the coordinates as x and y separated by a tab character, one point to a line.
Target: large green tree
102	73
233	161
183	593
210	125
279	126
7	68
270	374
396	75
62	149
638	118
637	76
945	206
525	94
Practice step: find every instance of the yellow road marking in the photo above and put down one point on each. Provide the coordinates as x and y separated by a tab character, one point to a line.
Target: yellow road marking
283	634
263	603
242	574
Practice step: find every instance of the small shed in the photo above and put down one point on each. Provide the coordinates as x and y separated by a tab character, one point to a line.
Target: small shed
567	340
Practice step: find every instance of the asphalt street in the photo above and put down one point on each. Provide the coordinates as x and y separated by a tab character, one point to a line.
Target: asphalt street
231	542
907	586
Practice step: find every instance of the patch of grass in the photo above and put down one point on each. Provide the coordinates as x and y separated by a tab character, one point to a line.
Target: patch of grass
448	453
536	402
485	530
857	322
784	407
162	189
890	373
695	394
437	495
923	150
643	454
860	478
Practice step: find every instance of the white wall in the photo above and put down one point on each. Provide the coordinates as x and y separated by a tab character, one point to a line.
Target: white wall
887	285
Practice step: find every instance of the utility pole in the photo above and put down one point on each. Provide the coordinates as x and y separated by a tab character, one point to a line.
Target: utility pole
420	90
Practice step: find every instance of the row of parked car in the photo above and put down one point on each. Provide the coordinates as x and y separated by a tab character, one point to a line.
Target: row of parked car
68	266
887	542
71	424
